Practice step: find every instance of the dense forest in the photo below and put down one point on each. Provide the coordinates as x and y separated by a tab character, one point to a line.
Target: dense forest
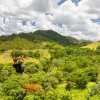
69	73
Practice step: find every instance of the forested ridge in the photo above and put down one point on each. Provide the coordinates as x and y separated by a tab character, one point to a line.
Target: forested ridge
65	72
41	36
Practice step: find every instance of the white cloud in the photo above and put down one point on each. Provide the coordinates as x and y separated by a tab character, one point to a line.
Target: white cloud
75	20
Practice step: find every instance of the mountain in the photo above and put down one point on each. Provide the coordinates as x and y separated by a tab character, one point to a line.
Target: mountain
40	35
34	40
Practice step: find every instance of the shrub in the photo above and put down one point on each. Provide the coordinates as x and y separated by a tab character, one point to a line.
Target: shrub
2	49
14	87
59	75
69	67
66	96
92	72
69	85
57	63
84	62
39	78
98	48
35	54
31	97
82	81
35	89
53	81
94	90
16	53
32	87
30	54
45	64
56	95
31	68
7	98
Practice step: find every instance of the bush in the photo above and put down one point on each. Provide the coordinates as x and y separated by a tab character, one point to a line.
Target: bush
82	81
69	67
7	98
14	87
35	54
92	72
59	75
94	90
5	72
53	81
38	78
45	64
2	49
32	87
56	95
32	68
66	96
98	48
69	85
84	62
31	97
16	53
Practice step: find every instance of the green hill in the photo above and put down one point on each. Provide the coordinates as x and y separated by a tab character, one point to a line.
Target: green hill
93	45
34	40
52	71
39	35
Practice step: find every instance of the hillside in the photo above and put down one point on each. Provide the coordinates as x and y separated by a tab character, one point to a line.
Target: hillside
57	71
52	71
36	40
92	46
40	36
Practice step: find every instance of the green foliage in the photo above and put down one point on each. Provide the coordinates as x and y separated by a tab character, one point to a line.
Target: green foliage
5	71
92	72
94	90
2	49
32	68
31	97
57	63
69	85
45	64
82	81
59	75
35	54
56	95
98	48
14	87
7	98
57	53
84	62
53	81
38	78
69	67
74	75
16	53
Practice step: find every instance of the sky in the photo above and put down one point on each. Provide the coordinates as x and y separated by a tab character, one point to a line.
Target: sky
76	18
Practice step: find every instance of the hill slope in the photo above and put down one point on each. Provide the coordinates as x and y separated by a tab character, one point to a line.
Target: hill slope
35	40
93	45
39	35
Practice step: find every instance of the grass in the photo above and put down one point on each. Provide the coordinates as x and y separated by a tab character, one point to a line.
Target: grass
92	46
77	94
6	58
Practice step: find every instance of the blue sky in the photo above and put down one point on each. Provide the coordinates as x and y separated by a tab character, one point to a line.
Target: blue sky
76	18
74	1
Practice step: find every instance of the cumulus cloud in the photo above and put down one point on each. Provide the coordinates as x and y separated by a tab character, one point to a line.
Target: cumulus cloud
66	19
